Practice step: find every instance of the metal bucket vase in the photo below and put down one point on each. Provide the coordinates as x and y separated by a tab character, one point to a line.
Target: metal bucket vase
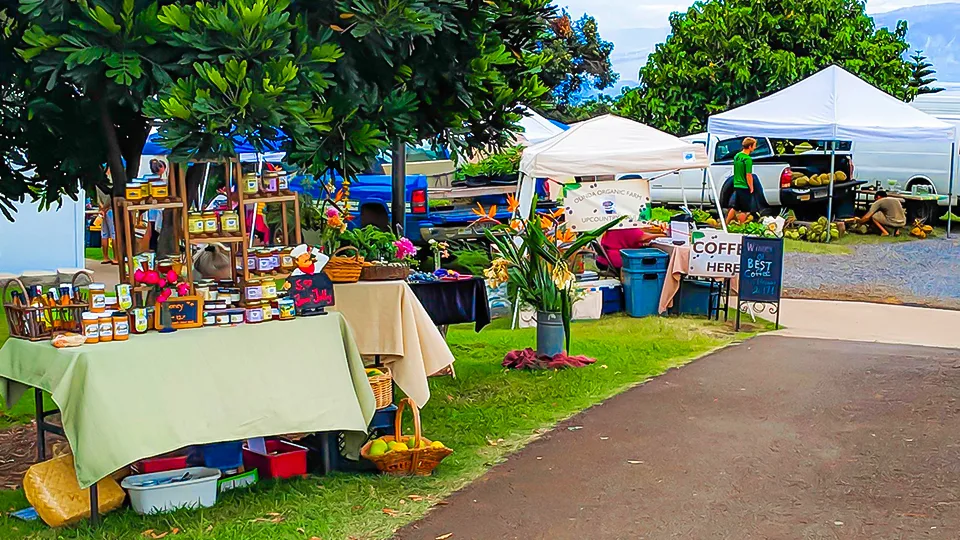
550	335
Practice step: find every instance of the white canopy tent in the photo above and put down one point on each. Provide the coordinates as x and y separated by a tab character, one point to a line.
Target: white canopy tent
606	145
833	105
536	128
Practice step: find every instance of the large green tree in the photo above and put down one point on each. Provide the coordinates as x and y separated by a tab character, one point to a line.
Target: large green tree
921	77
579	60
724	53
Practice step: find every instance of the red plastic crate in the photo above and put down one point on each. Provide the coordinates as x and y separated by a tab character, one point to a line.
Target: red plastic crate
283	460
161	464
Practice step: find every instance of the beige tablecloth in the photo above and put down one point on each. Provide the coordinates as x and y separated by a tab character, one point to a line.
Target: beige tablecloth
388	320
678	266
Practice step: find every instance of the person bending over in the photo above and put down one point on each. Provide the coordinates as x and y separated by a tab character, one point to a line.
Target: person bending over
886	212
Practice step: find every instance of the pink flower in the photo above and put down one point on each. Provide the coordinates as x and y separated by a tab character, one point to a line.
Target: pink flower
151	277
138	275
332	212
162	283
164	296
183	289
405	248
171	276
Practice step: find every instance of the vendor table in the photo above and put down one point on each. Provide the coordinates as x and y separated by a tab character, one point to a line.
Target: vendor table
390	322
922	206
455	301
678	267
128	400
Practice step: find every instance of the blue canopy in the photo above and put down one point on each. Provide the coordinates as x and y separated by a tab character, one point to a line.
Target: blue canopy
240	144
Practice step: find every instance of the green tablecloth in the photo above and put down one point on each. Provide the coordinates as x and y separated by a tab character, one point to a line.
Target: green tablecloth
124	401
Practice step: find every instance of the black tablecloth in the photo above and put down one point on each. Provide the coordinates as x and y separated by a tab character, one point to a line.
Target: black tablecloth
455	302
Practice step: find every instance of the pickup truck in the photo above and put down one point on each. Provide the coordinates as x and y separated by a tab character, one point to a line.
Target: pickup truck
431	213
774	162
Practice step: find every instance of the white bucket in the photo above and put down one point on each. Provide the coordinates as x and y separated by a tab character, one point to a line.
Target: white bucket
156	493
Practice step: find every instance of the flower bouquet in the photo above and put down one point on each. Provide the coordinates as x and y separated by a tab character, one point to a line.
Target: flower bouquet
386	257
346	262
162	286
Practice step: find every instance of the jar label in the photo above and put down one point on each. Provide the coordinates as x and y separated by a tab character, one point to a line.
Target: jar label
251	186
196	225
106	329
210	225
282	182
275	261
254	292
231	223
254	314
140	321
264	264
252	262
286	260
92	330
121	328
270	289
98	300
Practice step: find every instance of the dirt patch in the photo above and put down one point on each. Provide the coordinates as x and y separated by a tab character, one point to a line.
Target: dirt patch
18	451
773	438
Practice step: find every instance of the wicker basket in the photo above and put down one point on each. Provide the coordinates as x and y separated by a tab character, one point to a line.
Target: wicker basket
416	462
372	272
343	269
40	323
382	386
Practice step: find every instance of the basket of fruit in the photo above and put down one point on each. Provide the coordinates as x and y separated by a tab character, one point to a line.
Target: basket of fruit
405	456
381	382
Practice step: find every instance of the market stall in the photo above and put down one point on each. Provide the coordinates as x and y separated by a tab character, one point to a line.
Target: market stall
833	105
454	301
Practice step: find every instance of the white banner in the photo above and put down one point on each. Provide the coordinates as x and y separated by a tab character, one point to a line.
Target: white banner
594	204
715	254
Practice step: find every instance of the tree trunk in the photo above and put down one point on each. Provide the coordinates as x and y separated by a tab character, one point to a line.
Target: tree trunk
118	175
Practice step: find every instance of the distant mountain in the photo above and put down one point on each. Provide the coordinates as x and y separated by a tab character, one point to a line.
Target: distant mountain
935	29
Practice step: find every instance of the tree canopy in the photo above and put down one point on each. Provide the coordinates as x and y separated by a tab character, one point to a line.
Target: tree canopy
580	60
921	77
724	53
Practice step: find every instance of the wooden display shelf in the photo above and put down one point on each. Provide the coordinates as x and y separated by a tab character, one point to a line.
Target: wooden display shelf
232	239
270	199
133	207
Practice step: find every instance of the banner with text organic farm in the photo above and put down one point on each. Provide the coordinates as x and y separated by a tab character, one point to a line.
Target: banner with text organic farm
594	204
715	254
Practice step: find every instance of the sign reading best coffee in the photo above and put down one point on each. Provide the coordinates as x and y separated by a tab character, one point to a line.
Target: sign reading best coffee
715	254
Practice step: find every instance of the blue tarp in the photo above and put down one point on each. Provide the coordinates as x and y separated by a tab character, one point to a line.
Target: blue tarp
241	146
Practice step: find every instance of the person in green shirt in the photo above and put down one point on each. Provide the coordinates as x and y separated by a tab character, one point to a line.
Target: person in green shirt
743	180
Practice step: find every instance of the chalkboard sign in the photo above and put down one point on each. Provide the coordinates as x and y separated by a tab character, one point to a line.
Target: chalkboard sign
310	293
185	312
761	269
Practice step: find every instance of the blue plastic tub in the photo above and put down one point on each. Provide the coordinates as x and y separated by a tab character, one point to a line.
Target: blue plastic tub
696	297
644	260
225	456
642	292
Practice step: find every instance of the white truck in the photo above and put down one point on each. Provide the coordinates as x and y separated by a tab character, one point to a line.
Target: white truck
774	163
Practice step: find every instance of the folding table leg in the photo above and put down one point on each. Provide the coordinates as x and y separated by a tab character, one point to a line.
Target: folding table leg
41	435
94	506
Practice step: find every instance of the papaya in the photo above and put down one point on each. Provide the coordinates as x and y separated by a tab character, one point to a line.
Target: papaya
841	176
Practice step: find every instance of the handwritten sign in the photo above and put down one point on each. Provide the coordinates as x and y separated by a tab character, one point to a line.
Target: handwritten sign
761	269
715	254
185	312
310	293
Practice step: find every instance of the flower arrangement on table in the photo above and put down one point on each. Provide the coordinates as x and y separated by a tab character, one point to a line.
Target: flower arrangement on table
536	254
384	255
162	285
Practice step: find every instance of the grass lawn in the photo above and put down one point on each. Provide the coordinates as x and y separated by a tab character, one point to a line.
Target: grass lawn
843	246
95	253
484	414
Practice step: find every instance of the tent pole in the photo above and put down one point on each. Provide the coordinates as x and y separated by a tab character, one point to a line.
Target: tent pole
203	190
716	197
703	182
833	168
953	157
683	192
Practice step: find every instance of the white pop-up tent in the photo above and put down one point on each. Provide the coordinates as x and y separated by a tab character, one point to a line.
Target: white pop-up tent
833	105
537	128
606	145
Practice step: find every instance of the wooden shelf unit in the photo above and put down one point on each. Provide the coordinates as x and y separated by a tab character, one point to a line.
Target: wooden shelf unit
125	217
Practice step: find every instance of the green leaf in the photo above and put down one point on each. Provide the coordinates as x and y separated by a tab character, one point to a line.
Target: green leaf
104	19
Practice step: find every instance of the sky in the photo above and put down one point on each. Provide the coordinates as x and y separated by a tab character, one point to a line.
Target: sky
623	14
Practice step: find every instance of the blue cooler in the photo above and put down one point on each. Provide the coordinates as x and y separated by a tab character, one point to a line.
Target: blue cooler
696	297
644	271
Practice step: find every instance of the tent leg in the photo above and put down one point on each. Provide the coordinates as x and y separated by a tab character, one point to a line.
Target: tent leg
833	168
703	182
953	156
716	197
683	192
203	190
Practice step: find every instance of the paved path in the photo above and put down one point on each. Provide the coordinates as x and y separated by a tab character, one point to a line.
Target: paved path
773	438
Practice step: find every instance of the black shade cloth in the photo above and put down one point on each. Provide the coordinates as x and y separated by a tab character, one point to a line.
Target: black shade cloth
455	302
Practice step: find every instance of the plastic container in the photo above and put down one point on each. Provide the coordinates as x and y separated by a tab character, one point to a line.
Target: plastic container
696	297
644	259
642	292
283	460
156	493
612	299
161	464
224	456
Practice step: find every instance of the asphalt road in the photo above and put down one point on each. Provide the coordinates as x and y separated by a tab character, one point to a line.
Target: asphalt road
773	438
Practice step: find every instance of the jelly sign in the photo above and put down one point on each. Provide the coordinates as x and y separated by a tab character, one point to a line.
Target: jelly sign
761	269
310	293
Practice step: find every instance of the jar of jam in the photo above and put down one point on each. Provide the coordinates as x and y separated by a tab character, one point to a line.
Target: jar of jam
250	184
283	182
254	313
268	183
287	308
253	291
286	259
275	260
264	261
133	192
164	267
252	263
210	223
230	221
98	297
195	223
106	327
267	311
209	318
91	326
269	288
138	320
121	326
159	189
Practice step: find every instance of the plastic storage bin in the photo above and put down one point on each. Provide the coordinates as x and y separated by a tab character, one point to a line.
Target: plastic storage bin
642	292
644	260
226	456
159	492
696	297
160	464
282	460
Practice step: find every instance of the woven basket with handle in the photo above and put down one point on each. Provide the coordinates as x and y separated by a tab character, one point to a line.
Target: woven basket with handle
382	386
342	268
40	323
372	272
415	462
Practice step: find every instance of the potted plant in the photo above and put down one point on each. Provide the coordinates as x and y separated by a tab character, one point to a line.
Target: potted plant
535	259
385	256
